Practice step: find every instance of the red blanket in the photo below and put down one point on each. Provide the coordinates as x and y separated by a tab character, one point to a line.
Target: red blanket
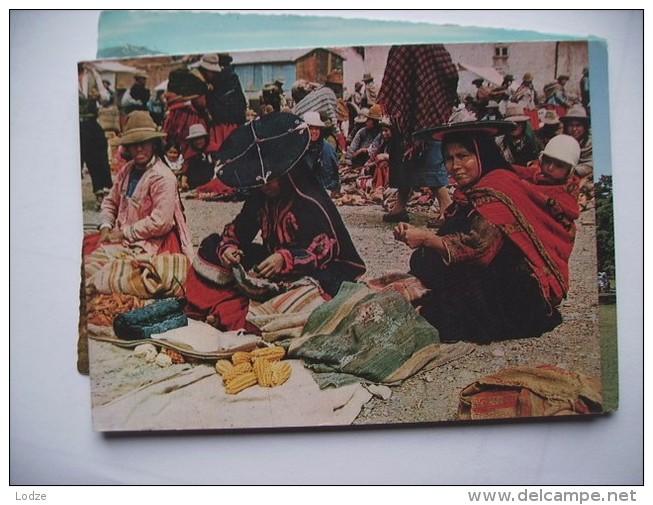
538	219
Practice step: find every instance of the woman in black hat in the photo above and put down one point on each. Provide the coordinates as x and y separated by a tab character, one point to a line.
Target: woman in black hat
498	266
302	232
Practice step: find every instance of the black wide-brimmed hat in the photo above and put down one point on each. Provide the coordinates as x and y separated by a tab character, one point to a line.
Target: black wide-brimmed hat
262	150
495	128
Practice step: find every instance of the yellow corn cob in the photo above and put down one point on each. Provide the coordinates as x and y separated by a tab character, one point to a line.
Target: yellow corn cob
240	357
263	371
237	370
280	373
274	353
243	381
222	366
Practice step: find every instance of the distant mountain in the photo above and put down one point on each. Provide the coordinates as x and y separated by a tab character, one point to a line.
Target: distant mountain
126	51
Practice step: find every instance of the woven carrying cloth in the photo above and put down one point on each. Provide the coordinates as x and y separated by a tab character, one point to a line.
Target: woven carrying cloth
419	87
530	391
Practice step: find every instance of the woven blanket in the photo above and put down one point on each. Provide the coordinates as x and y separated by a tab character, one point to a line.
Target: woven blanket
193	398
369	336
530	391
407	285
142	275
419	87
285	315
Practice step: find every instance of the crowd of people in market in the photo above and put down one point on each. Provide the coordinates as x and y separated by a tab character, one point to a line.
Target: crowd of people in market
501	173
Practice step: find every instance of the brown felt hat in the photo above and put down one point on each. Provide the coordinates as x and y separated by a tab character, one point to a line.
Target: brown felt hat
139	127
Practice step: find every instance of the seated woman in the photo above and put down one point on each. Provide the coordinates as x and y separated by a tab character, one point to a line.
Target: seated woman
142	214
321	157
301	230
498	266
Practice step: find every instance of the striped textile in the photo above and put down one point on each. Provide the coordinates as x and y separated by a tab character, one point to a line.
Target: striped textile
285	315
530	391
145	276
321	100
377	337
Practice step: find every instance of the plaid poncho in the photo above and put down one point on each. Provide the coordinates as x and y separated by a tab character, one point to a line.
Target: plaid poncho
418	88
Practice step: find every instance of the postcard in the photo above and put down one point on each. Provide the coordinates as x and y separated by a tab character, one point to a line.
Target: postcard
338	236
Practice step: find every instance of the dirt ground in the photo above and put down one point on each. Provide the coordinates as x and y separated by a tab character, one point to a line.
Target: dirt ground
429	396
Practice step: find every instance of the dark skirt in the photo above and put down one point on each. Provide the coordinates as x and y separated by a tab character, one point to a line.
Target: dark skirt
482	304
426	169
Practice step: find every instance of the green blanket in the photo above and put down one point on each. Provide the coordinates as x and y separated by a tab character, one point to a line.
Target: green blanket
362	334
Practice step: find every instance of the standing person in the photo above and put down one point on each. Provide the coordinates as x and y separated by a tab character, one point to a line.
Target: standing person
357	97
419	90
502	94
370	93
577	124
358	151
498	268
112	94
137	96
302	232
483	96
556	96
321	157
525	97
322	99
185	102
585	90
143	212
93	141
279	81
224	100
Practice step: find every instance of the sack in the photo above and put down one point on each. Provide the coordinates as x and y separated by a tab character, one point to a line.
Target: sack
158	317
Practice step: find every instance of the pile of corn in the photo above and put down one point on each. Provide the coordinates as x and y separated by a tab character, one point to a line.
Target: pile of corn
262	366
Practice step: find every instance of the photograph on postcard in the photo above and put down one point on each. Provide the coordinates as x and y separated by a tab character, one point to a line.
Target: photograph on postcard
345	236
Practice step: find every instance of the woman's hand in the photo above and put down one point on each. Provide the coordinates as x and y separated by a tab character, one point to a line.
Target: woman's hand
231	257
104	234
400	231
111	235
417	237
270	266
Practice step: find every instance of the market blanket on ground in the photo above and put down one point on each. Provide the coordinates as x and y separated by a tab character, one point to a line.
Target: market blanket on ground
285	315
530	391
195	398
364	335
146	276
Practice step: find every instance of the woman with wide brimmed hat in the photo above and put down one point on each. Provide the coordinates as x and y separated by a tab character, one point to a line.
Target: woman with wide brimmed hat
143	209
302	232
519	146
321	157
498	266
577	124
140	218
357	152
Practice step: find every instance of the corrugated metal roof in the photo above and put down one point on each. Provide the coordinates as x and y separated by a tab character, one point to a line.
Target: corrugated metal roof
276	56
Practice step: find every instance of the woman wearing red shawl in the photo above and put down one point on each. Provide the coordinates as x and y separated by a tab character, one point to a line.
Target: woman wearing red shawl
498	266
302	232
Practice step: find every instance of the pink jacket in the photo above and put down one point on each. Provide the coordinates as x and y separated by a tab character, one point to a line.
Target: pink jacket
151	213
